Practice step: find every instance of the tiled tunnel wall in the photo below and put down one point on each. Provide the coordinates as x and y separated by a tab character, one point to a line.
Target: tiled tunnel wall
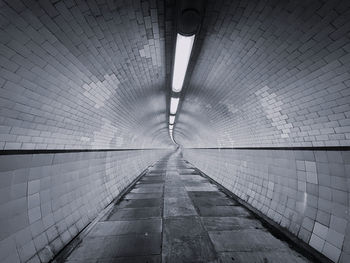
269	73
82	75
46	199
306	192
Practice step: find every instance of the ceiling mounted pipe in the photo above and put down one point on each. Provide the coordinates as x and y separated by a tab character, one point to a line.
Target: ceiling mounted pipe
189	16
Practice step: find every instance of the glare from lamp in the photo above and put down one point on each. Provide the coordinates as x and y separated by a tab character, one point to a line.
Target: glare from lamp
172	138
171	119
174	103
183	50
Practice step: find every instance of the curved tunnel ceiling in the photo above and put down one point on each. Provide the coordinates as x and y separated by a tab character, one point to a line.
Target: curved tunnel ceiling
270	73
96	74
82	74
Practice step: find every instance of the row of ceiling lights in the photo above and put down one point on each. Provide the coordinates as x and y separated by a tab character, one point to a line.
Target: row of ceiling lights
183	50
189	18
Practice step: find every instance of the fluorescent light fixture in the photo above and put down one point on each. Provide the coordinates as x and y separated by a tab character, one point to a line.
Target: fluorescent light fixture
171	135
174	103
172	138
171	119
183	50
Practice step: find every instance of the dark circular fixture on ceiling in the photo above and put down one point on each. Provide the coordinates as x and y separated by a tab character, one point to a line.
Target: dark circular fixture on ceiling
189	16
189	22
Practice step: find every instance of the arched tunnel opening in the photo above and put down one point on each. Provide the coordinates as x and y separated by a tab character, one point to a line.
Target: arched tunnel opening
174	131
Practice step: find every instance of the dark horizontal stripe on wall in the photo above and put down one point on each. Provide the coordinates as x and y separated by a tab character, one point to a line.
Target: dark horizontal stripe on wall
18	152
319	148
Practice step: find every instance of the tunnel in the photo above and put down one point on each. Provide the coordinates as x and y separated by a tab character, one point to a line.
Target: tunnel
174	131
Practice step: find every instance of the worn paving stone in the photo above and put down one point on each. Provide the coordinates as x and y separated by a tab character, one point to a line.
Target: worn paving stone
230	223
261	257
174	184
135	213
140	203
206	187
152	171
190	249
207	194
178	206
137	259
182	227
175	192
115	228
139	184
118	246
187	171
143	196
152	178
212	201
191	183
221	211
245	240
141	189
151	182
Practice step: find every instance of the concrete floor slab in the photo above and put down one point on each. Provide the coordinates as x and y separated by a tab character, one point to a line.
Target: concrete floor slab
182	227
135	213
230	223
174	206
139	184
188	172
152	178
195	249
151	182
203	187
137	259
140	203
155	171
141	189
245	240
175	192
174	184
207	194
221	211
118	246
143	196
193	178
116	228
212	201
261	257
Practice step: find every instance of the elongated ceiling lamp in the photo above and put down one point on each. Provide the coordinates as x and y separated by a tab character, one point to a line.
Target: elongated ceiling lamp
183	51
174	104
189	16
171	119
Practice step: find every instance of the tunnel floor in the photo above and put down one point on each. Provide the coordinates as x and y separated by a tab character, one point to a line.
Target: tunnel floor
173	214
